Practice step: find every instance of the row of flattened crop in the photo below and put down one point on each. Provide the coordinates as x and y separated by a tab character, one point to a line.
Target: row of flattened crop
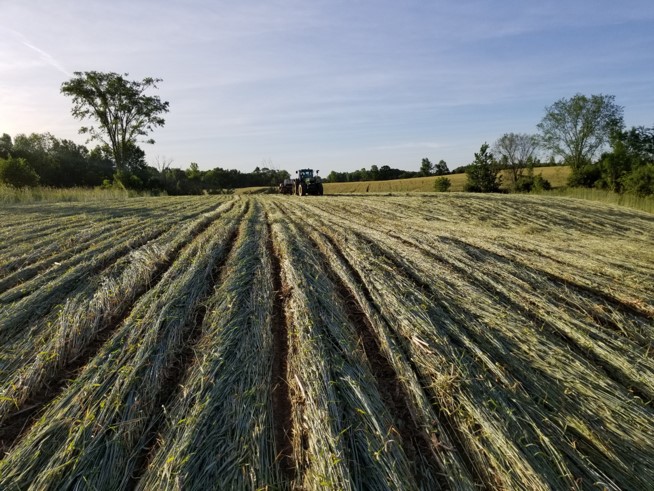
93	434
529	403
343	433
66	335
37	232
27	307
219	431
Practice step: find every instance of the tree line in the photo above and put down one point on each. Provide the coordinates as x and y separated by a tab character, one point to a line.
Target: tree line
387	173
43	159
586	133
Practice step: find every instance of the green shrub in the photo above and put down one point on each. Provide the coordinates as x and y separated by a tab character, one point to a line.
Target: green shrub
17	173
640	181
530	182
585	176
442	184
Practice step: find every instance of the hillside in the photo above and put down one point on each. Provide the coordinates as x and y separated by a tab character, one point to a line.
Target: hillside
557	175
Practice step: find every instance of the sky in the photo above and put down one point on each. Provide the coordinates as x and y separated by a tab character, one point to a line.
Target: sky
328	84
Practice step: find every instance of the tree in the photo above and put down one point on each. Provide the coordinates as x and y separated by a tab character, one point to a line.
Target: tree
17	173
120	107
577	128
441	169
630	151
5	146
516	151
426	167
482	173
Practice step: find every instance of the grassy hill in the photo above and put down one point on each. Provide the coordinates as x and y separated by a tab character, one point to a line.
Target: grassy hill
557	175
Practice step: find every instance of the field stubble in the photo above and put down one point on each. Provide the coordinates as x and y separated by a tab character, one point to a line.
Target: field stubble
429	342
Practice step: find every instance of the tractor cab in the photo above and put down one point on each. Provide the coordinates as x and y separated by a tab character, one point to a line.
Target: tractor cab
305	174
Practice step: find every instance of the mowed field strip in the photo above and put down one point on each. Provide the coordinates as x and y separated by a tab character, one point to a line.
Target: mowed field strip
444	342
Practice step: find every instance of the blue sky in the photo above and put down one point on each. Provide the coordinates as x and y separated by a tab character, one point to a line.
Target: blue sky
333	85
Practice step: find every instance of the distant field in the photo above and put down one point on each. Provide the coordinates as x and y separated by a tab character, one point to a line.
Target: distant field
557	176
446	341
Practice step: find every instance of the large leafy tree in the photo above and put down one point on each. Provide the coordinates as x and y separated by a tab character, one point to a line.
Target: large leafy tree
516	151
577	128
121	108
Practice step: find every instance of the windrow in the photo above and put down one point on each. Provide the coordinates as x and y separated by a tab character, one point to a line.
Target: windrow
94	433
219	429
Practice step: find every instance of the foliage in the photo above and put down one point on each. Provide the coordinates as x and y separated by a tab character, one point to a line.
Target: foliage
376	173
5	146
641	181
426	167
442	184
440	169
516	151
120	107
585	176
62	163
530	182
624	168
577	128
482	173
16	172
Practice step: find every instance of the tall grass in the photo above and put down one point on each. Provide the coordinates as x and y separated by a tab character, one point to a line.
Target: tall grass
644	203
10	194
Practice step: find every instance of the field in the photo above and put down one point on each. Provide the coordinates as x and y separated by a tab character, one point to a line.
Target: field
557	175
438	342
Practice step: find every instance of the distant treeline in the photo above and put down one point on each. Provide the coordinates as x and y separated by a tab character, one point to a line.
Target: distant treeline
42	159
387	173
375	173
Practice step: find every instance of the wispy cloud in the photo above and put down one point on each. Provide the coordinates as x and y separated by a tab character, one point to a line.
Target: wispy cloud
43	55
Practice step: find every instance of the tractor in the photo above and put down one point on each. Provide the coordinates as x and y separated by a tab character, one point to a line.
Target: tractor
307	183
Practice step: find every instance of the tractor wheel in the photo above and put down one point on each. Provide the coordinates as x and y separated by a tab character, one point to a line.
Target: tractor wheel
320	190
302	189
